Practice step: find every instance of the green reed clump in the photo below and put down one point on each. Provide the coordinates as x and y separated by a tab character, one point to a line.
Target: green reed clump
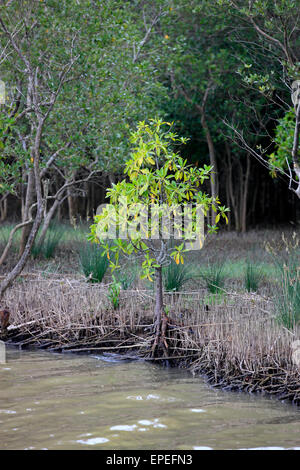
126	277
114	293
252	276
4	235
287	297
285	256
176	275
47	248
214	276
93	262
5	230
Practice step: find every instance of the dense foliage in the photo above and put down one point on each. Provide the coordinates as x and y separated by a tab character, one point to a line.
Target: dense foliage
80	75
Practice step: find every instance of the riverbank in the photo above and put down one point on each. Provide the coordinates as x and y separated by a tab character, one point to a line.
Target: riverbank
235	340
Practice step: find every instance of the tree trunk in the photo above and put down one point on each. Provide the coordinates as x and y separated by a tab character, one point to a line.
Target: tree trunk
48	218
10	240
92	201
9	279
3	209
30	196
231	191
245	197
214	180
161	319
228	199
72	207
158	299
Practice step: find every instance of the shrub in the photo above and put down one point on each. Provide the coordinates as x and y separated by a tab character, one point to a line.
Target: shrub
5	230
49	245
253	276
4	235
126	278
175	276
214	277
287	295
114	293
287	298
93	262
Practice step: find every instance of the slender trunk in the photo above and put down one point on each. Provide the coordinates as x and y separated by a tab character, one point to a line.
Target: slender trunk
92	201
228	199
30	196
72	202
47	220
87	201
231	191
254	201
10	240
214	180
245	197
71	207
158	299
60	207
59	213
3	209
9	279
240	197
295	156
22	202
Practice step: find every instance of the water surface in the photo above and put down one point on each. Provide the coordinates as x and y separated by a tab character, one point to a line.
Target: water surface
54	401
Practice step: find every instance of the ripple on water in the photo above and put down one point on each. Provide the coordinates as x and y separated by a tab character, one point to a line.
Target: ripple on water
123	427
155	423
202	448
143	422
264	448
133	397
93	441
151	396
146	422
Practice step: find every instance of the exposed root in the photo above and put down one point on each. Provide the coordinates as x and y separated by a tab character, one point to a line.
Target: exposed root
160	345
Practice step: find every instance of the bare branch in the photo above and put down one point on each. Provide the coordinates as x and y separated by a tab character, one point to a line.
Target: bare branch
52	159
137	51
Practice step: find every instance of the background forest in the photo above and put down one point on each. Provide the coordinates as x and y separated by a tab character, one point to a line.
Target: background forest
80	75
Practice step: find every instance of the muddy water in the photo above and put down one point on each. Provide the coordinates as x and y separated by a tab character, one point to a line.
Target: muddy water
52	401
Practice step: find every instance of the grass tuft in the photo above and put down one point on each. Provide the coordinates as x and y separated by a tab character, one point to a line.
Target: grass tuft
175	276
253	276
287	298
93	262
48	248
114	293
214	277
127	277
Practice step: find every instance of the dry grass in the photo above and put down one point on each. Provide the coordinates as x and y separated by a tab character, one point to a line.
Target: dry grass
236	341
70	313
